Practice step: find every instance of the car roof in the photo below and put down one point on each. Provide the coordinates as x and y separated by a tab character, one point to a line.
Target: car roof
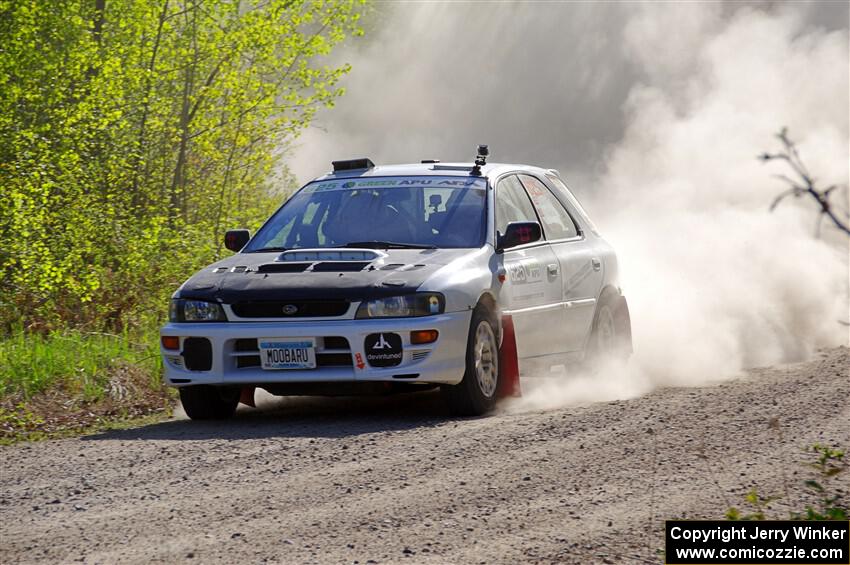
490	170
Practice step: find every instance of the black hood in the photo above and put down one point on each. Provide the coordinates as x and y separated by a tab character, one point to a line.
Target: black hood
253	277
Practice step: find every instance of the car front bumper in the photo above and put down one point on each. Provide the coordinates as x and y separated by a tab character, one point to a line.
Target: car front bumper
234	362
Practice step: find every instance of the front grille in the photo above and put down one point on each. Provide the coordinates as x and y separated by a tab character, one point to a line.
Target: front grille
248	361
246	345
322	360
325	343
336	342
334	360
243	347
304	308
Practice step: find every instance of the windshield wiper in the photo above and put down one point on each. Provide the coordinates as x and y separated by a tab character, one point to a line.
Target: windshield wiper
268	249
389	245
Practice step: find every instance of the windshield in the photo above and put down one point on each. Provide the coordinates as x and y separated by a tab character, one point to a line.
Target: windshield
379	212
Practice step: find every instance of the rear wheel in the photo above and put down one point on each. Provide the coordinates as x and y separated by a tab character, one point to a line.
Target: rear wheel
476	393
204	402
611	333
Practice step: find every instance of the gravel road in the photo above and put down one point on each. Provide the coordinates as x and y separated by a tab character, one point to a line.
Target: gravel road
394	480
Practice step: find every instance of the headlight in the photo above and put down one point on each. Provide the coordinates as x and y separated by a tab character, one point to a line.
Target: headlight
182	310
420	304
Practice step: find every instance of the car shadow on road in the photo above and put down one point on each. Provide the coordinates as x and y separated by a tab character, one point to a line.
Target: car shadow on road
299	417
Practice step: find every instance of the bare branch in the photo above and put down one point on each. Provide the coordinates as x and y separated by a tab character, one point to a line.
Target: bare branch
804	183
791	182
779	198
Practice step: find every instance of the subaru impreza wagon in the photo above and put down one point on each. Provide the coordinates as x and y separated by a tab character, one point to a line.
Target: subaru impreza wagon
406	277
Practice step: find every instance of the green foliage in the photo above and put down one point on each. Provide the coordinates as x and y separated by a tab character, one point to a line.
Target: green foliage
19	417
759	503
78	363
829	464
134	132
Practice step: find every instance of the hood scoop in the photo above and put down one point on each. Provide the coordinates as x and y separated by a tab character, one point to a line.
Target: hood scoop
339	266
401	267
335	255
320	267
283	267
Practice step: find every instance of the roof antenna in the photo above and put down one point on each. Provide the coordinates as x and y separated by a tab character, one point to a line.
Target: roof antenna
480	160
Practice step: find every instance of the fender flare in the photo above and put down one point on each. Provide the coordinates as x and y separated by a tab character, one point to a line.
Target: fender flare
509	384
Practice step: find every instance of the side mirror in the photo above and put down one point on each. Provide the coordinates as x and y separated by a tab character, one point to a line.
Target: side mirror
519	233
235	240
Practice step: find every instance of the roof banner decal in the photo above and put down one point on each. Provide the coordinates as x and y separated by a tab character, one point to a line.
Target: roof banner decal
386	182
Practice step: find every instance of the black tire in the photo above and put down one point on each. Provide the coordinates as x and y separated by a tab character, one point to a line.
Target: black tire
474	396
205	402
611	332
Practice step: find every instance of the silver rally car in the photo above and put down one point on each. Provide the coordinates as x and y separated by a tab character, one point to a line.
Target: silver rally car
404	277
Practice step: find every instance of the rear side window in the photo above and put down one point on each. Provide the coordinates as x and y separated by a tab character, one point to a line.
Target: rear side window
556	221
559	184
512	204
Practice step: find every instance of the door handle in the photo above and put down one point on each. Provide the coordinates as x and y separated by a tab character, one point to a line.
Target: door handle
552	268
597	264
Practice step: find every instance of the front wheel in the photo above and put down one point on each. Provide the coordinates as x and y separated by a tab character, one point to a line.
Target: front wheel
476	393
205	402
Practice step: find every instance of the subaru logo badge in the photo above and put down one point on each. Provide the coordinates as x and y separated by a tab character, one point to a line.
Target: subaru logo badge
290	309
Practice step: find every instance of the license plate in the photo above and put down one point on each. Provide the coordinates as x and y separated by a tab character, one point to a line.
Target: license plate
287	353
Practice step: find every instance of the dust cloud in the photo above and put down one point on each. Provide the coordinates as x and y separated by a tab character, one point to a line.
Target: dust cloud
654	115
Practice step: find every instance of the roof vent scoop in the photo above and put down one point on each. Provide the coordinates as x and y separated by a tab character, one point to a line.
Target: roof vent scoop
353	164
480	160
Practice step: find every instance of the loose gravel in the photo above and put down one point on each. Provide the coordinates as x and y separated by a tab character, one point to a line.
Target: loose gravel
395	480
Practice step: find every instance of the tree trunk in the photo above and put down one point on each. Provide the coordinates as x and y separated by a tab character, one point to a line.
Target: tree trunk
140	142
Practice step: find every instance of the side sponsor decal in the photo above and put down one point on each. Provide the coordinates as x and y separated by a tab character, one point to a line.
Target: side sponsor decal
525	272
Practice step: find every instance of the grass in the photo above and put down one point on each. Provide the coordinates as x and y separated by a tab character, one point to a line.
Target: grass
78	362
71	382
99	425
825	500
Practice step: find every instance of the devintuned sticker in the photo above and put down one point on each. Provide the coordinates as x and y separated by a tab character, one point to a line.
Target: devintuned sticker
383	349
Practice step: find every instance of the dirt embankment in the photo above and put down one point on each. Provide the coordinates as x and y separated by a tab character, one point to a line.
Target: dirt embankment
393	480
128	395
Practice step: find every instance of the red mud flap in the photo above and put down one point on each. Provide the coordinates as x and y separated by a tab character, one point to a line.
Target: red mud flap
247	396
509	384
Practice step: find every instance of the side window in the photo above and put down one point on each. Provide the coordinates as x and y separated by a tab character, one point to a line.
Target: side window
512	204
556	221
559	184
